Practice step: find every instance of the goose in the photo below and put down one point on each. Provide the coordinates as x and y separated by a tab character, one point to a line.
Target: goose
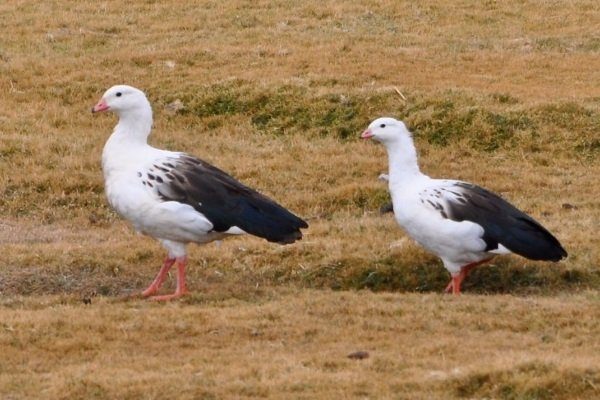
463	224
178	198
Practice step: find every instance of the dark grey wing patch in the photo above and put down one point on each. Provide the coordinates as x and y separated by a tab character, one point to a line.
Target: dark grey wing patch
502	222
434	198
224	201
163	169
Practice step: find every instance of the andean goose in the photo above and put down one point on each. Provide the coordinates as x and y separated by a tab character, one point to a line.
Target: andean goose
463	224
175	197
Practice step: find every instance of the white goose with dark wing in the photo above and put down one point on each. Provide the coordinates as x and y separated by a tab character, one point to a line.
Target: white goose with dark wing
175	197
464	224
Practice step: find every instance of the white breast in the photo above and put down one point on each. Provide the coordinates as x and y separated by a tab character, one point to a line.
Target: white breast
455	242
124	170
124	189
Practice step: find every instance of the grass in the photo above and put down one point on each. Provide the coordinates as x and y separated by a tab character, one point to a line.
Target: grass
502	94
295	343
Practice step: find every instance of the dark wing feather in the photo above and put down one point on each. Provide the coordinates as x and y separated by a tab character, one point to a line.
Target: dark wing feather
502	222
224	201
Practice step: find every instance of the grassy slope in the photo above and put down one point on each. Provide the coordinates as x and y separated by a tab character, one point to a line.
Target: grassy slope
504	95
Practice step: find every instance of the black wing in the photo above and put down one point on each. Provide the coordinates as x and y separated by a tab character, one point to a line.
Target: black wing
502	222
224	201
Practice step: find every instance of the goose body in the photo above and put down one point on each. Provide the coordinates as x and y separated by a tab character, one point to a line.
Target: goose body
178	198
463	224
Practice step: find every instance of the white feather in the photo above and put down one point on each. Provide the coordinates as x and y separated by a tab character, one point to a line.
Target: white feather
126	160
456	243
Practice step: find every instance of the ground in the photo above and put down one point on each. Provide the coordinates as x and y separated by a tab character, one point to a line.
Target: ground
502	94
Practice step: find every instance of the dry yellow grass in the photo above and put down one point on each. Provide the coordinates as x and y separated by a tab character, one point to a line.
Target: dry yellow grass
503	94
294	344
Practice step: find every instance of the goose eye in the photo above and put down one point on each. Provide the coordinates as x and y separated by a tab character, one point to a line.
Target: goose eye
382	126
119	94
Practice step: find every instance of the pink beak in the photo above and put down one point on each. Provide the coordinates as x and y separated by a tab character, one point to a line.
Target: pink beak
101	106
366	134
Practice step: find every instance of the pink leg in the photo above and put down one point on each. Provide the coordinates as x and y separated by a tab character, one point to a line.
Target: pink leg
160	277
181	288
449	287
454	284
456	281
